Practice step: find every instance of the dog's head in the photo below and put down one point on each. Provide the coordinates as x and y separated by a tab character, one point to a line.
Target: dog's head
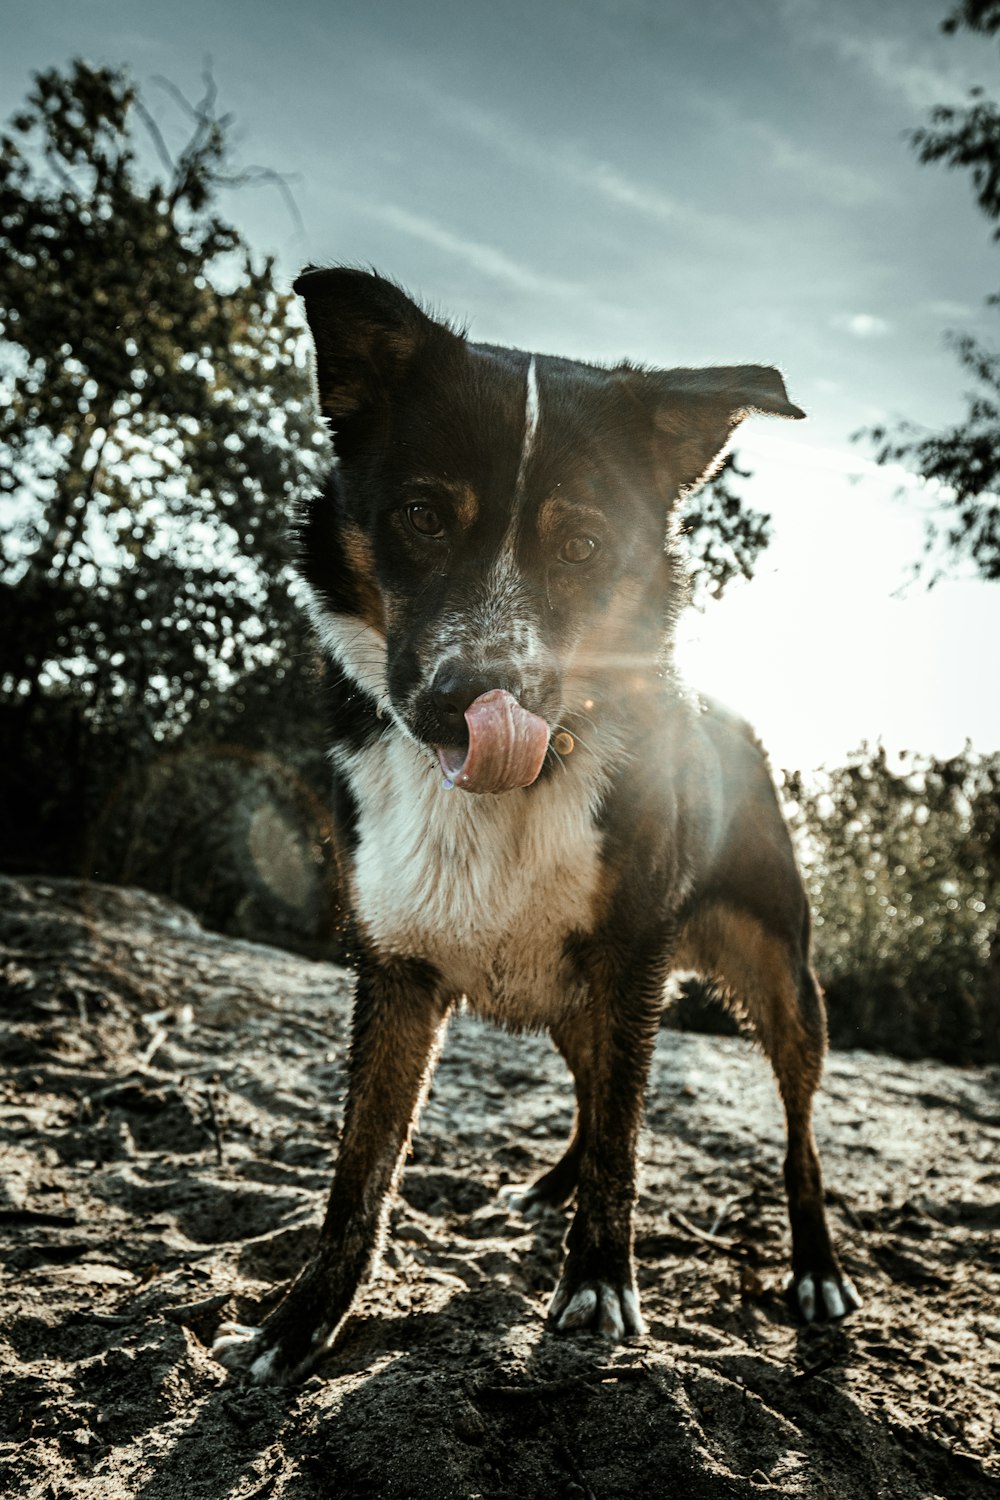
491	553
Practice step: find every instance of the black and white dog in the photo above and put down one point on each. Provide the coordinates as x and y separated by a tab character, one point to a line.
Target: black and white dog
532	812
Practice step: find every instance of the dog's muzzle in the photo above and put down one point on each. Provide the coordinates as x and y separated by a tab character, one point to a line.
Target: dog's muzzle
486	740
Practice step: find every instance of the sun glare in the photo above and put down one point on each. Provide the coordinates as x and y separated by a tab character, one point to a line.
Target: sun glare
832	642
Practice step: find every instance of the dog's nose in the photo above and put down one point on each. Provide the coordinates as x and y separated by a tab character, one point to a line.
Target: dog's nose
454	689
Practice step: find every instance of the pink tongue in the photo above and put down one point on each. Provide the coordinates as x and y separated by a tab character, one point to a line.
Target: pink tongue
506	746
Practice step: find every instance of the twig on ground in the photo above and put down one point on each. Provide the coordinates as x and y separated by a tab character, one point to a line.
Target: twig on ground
833	1196
263	1490
37	1216
731	1247
152	1046
581	1479
725	1211
183	1312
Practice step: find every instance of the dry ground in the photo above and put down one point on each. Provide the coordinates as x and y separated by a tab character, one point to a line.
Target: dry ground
168	1113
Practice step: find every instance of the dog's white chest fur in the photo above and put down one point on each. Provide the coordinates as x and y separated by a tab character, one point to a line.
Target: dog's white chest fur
487	888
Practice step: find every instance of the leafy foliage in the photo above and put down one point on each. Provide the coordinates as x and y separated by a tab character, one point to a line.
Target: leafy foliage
156	430
977	15
965	459
724	536
239	835
903	866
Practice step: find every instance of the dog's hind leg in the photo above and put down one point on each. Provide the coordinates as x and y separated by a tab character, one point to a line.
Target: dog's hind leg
556	1186
399	1020
791	1024
768	977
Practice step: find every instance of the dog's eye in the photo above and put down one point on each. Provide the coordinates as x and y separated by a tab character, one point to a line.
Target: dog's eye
425	521
578	549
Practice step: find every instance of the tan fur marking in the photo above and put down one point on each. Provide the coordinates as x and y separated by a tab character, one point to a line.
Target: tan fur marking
466	505
388	1090
358	551
557	516
733	949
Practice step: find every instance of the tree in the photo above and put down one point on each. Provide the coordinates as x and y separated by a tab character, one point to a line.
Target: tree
964	458
724	536
156	428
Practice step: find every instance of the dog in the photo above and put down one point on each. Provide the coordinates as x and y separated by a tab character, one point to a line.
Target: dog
532	811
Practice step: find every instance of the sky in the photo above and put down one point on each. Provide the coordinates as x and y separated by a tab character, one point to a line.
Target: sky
727	182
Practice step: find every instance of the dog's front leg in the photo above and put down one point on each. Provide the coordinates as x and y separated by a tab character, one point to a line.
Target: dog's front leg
597	1288
398	1022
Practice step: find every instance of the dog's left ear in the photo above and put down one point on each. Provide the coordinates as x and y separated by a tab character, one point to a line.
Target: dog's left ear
697	410
366	332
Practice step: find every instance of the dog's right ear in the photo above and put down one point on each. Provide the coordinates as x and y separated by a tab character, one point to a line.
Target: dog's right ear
366	332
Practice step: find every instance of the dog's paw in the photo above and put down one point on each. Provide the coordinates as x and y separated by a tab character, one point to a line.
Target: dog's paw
297	1334
249	1352
824	1296
243	1351
263	1357
596	1307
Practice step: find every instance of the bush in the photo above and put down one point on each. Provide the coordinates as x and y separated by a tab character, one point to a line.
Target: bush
903	867
238	836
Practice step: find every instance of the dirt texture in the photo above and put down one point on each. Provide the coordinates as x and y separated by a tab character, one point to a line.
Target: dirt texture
168	1117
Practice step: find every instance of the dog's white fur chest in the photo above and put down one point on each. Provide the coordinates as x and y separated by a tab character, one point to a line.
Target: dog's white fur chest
487	888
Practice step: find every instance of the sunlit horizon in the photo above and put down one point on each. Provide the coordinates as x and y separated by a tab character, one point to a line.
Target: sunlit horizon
835	641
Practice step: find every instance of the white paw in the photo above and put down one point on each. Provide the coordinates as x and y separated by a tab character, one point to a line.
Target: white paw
234	1345
233	1335
827	1297
243	1351
599	1307
518	1199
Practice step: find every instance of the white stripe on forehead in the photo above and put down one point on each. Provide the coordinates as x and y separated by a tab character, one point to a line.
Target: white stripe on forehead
530	422
498	626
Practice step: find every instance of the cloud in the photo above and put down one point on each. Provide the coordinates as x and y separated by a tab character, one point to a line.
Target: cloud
861	325
893	63
847	186
565	159
955	312
898	62
844	185
486	259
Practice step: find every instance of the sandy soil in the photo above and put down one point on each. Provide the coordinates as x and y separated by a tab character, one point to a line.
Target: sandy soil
168	1115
